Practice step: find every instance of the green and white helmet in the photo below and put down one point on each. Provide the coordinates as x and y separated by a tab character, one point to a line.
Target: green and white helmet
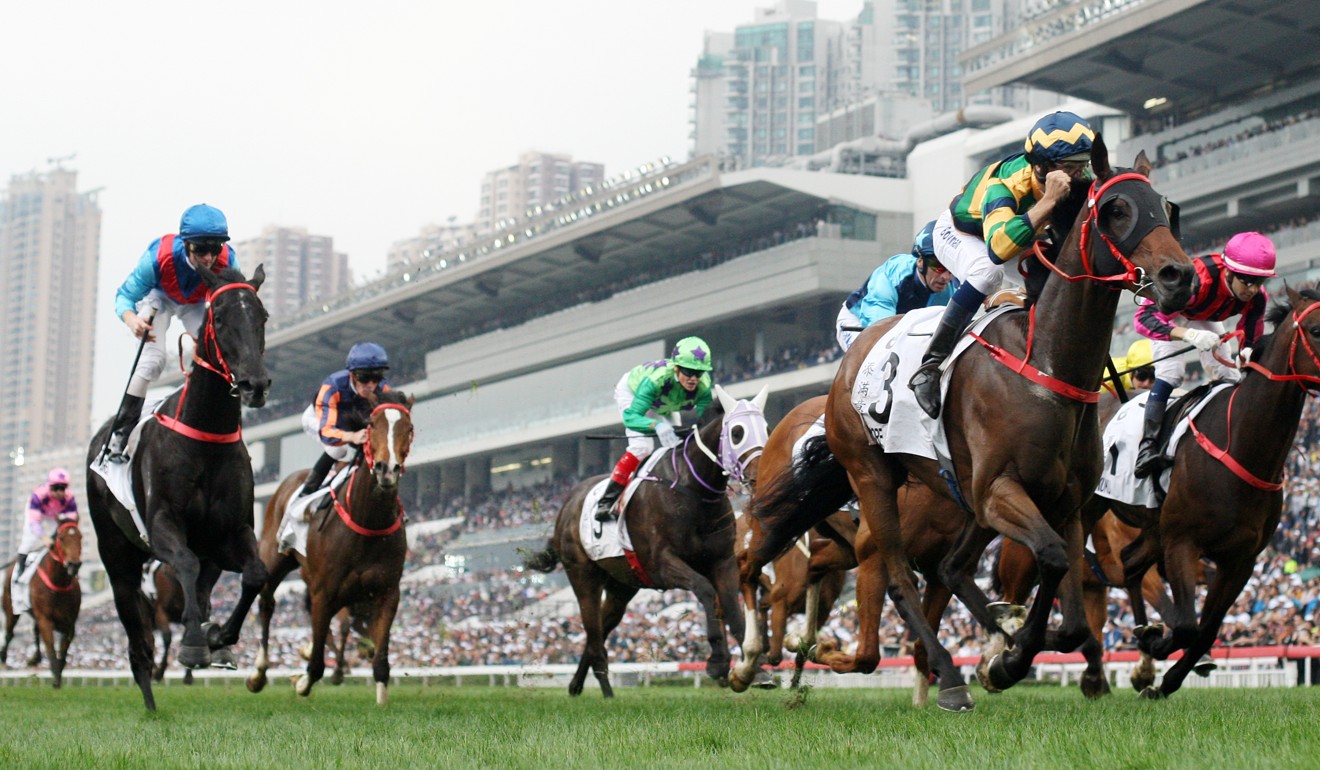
691	353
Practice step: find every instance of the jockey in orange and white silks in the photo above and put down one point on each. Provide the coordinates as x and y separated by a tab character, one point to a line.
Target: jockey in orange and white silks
1223	286
647	394
166	283
50	504
341	397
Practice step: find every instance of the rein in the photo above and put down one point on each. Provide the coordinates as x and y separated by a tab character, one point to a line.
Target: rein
56	554
1221	454
207	344
369	462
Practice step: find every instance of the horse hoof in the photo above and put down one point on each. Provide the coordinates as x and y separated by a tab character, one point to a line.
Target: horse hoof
1152	693
382	694
212	631
223	657
998	675
1204	666
256	682
1009	617
1095	686
303	685
956	699
764	681
983	676
737	683
194	657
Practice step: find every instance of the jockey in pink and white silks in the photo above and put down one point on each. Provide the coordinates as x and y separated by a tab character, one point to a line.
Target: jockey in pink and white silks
647	394
1223	286
50	504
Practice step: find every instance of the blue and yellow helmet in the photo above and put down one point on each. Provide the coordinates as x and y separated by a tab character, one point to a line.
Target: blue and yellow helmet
1057	137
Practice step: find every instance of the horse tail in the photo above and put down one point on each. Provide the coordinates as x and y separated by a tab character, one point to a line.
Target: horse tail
795	502
544	560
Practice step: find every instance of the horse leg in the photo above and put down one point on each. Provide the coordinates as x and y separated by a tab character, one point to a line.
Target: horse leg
255	576
125	582
63	638
807	644
46	637
872	581
933	603
1182	558
322	613
1227	584
753	641
1094	683
779	613
617	596
170	546
382	618
341	644
588	583
680	575
166	639
957	571
265	610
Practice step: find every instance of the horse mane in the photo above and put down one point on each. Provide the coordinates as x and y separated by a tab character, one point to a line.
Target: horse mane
1277	312
1062	220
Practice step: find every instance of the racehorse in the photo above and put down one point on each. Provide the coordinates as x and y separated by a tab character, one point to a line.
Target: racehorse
355	552
1224	495
192	480
682	527
56	597
1022	436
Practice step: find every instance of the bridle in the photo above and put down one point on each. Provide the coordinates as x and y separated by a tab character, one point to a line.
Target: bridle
1312	381
369	462
56	553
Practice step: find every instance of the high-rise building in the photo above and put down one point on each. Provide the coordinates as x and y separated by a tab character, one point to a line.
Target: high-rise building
429	241
299	267
539	178
49	249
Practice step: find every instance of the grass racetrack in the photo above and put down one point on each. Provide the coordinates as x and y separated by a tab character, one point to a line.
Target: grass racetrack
657	727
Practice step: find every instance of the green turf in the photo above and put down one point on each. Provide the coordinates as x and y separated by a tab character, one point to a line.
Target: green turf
661	727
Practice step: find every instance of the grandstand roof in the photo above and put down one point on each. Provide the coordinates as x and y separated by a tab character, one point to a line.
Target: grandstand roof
1197	54
706	212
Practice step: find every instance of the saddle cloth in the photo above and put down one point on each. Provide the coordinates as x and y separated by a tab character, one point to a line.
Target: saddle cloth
610	539
1121	441
881	396
19	593
292	534
119	476
149	579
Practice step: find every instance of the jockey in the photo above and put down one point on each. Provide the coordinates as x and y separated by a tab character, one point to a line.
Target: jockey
1140	372
996	217
51	503
342	401
166	280
1224	285
904	282
647	395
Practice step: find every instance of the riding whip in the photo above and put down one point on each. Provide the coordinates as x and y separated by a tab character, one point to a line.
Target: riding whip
611	436
151	317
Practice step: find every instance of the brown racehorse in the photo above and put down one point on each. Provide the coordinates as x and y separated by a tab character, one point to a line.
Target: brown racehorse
56	598
355	549
931	525
1225	497
1026	452
682	527
164	610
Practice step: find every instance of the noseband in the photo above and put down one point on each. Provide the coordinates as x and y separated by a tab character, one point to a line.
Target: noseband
735	456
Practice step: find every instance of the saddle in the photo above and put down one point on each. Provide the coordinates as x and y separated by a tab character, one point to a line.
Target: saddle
1174	412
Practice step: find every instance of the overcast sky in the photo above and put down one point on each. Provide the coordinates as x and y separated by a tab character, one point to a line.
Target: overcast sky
362	121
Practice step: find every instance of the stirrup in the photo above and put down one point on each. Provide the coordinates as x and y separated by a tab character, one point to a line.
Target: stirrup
608	513
116	450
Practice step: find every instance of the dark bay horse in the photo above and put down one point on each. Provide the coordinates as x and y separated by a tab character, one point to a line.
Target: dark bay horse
56	597
355	549
192	479
165	610
682	528
1225	496
1026	452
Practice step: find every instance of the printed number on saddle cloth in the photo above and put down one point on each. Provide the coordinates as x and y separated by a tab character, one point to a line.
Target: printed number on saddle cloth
879	408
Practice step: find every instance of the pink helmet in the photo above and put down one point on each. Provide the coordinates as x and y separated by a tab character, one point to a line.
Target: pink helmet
1250	254
57	476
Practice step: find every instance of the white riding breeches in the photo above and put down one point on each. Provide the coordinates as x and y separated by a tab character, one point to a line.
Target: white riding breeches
152	361
312	427
1171	369
966	256
31	540
846	317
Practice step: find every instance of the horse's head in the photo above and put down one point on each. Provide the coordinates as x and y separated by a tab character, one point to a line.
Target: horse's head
1129	233
389	437
743	433
1293	350
233	340
68	546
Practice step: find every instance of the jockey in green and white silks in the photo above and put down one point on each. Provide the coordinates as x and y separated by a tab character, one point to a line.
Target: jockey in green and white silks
646	396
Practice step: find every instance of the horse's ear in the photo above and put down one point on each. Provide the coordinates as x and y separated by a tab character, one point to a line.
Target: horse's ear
409	402
759	401
1142	164
1100	158
726	401
258	276
1294	297
210	278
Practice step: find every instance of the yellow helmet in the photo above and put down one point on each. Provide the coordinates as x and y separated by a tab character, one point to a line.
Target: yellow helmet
1139	354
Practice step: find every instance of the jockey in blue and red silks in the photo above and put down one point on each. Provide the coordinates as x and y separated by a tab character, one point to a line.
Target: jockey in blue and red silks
1223	286
166	281
50	504
342	396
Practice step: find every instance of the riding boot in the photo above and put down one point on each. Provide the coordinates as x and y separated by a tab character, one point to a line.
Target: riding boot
1149	457
317	475
623	471
20	564
130	410
925	382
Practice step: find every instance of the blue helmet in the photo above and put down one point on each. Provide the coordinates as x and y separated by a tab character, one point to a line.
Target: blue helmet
203	221
367	355
923	246
1059	136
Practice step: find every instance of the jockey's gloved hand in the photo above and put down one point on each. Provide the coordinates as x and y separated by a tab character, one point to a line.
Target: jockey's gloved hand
665	432
1204	341
1243	357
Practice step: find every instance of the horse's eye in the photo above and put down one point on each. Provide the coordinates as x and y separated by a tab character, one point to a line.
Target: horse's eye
737	434
1314	331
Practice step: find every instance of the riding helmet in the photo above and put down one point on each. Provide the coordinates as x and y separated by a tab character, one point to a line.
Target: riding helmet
691	353
1250	254
366	355
203	221
1058	137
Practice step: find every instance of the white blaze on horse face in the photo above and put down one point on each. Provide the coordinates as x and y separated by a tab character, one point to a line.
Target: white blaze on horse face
392	419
